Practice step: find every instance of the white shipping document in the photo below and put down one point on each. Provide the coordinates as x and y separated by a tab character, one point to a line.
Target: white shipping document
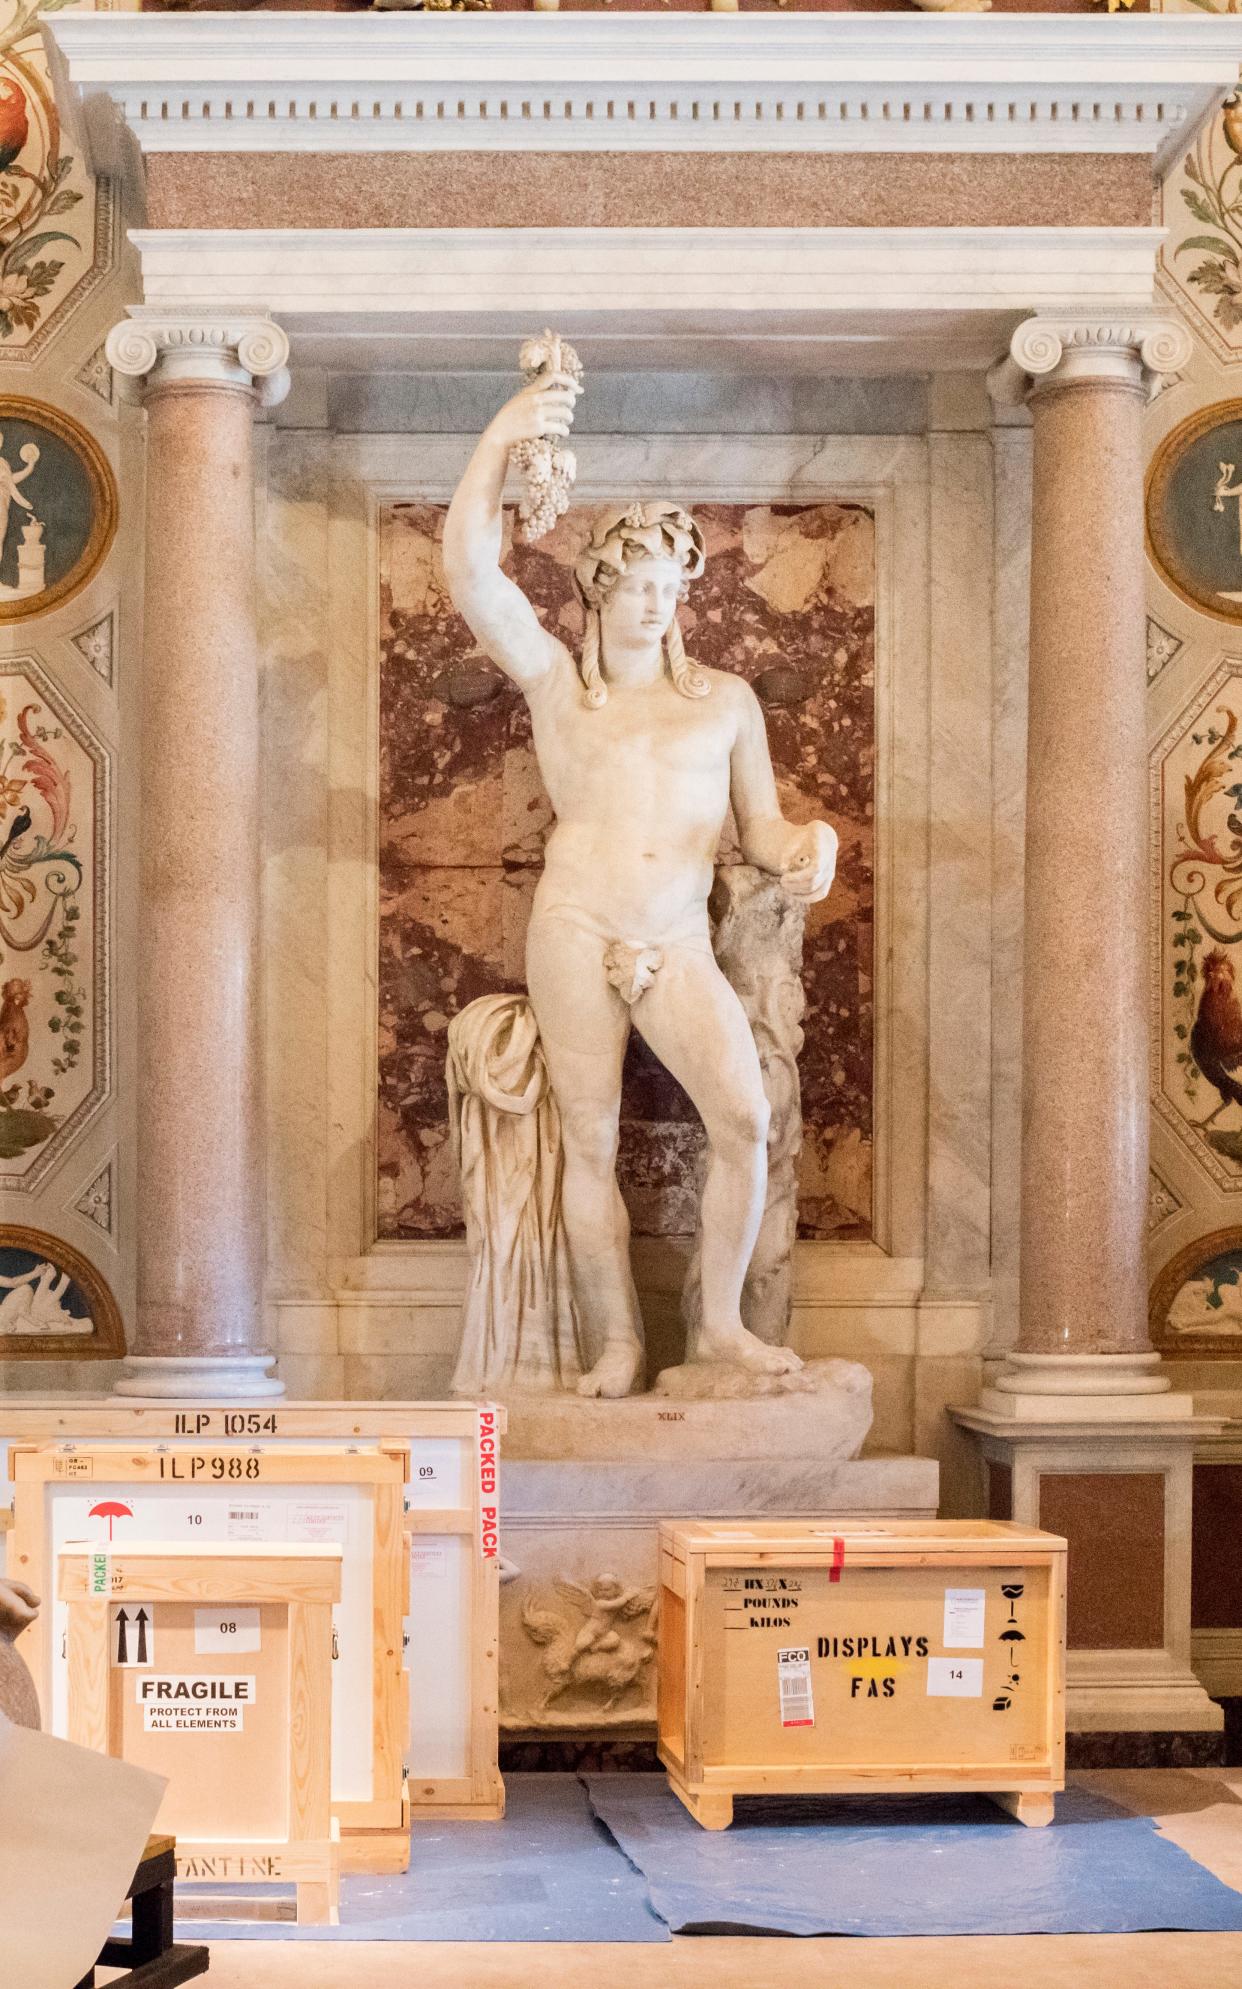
429	1559
226	1629
320	1520
73	1825
963	1619
793	1677
255	1522
955	1678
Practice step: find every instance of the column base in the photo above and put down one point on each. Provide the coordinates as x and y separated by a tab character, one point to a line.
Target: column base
199	1378
1095	1388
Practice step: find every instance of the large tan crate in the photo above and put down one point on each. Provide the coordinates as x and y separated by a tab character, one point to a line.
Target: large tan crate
863	1657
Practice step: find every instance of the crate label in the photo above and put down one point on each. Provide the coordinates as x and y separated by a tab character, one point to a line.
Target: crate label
793	1678
488	1460
226	1422
321	1521
97	1576
73	1467
133	1637
226	1629
254	1522
195	1703
963	1619
217	1468
955	1678
429	1559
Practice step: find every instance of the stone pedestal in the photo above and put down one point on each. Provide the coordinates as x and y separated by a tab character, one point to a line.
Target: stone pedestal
1118	1487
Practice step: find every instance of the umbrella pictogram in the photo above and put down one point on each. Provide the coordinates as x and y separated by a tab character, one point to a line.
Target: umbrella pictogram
110	1509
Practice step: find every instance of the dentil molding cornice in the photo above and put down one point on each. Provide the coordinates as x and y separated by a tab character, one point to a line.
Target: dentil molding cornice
642	82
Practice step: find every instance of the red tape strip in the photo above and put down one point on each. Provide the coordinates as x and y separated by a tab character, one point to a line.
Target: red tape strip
838	1560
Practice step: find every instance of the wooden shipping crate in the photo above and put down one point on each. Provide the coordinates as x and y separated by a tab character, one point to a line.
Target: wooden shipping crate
863	1657
449	1583
226	1494
212	1665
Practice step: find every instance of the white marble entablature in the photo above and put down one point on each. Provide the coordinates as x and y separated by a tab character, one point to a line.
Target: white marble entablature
241	348
847	299
640	82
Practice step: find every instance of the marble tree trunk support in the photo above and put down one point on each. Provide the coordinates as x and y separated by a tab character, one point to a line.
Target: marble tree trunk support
1083	1308
200	1161
757	931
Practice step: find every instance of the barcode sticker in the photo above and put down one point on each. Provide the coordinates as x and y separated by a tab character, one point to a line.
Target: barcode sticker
793	1677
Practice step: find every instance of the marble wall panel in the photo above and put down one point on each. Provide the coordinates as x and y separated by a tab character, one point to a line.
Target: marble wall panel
788	601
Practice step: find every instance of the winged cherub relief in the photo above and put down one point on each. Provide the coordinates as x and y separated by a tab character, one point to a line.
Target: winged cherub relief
642	753
608	1651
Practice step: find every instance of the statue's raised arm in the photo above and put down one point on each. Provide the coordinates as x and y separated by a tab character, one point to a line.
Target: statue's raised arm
498	613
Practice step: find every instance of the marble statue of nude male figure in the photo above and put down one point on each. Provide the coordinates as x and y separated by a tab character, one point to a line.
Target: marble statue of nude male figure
641	753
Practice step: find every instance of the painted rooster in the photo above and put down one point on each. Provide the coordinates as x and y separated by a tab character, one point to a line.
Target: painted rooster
14	1027
1216	1039
14	121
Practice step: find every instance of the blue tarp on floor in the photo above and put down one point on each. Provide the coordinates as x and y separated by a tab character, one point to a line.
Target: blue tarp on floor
547	1872
859	1865
909	1865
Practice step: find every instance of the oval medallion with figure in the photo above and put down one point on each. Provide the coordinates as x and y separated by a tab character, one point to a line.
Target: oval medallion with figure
58	507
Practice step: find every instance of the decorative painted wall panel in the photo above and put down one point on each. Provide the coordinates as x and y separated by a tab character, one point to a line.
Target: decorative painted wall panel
57	224
788	601
53	849
1201	262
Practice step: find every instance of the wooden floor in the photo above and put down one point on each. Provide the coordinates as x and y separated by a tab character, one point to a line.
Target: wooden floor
1201	1809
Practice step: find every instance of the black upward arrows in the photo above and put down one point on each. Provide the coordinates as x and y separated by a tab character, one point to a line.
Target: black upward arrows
122	1637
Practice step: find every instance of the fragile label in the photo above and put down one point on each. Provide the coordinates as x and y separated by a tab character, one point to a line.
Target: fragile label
955	1678
793	1678
226	1630
963	1619
194	1704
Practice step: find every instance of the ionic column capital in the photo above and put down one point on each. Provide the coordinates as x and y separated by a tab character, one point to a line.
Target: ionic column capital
159	348
1141	350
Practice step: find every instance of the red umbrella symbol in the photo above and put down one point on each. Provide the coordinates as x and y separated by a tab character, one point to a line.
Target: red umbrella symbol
110	1509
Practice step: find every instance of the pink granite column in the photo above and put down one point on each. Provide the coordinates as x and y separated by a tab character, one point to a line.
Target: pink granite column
1083	1305
199	1325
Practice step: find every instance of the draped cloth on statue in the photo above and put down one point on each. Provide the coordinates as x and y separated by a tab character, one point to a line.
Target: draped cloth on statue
521	1328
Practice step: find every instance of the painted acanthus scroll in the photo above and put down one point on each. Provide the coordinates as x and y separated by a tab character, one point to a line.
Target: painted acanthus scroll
1206	875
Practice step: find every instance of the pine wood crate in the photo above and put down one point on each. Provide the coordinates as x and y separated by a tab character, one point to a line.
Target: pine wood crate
211	1491
449	1581
242	1734
876	1657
